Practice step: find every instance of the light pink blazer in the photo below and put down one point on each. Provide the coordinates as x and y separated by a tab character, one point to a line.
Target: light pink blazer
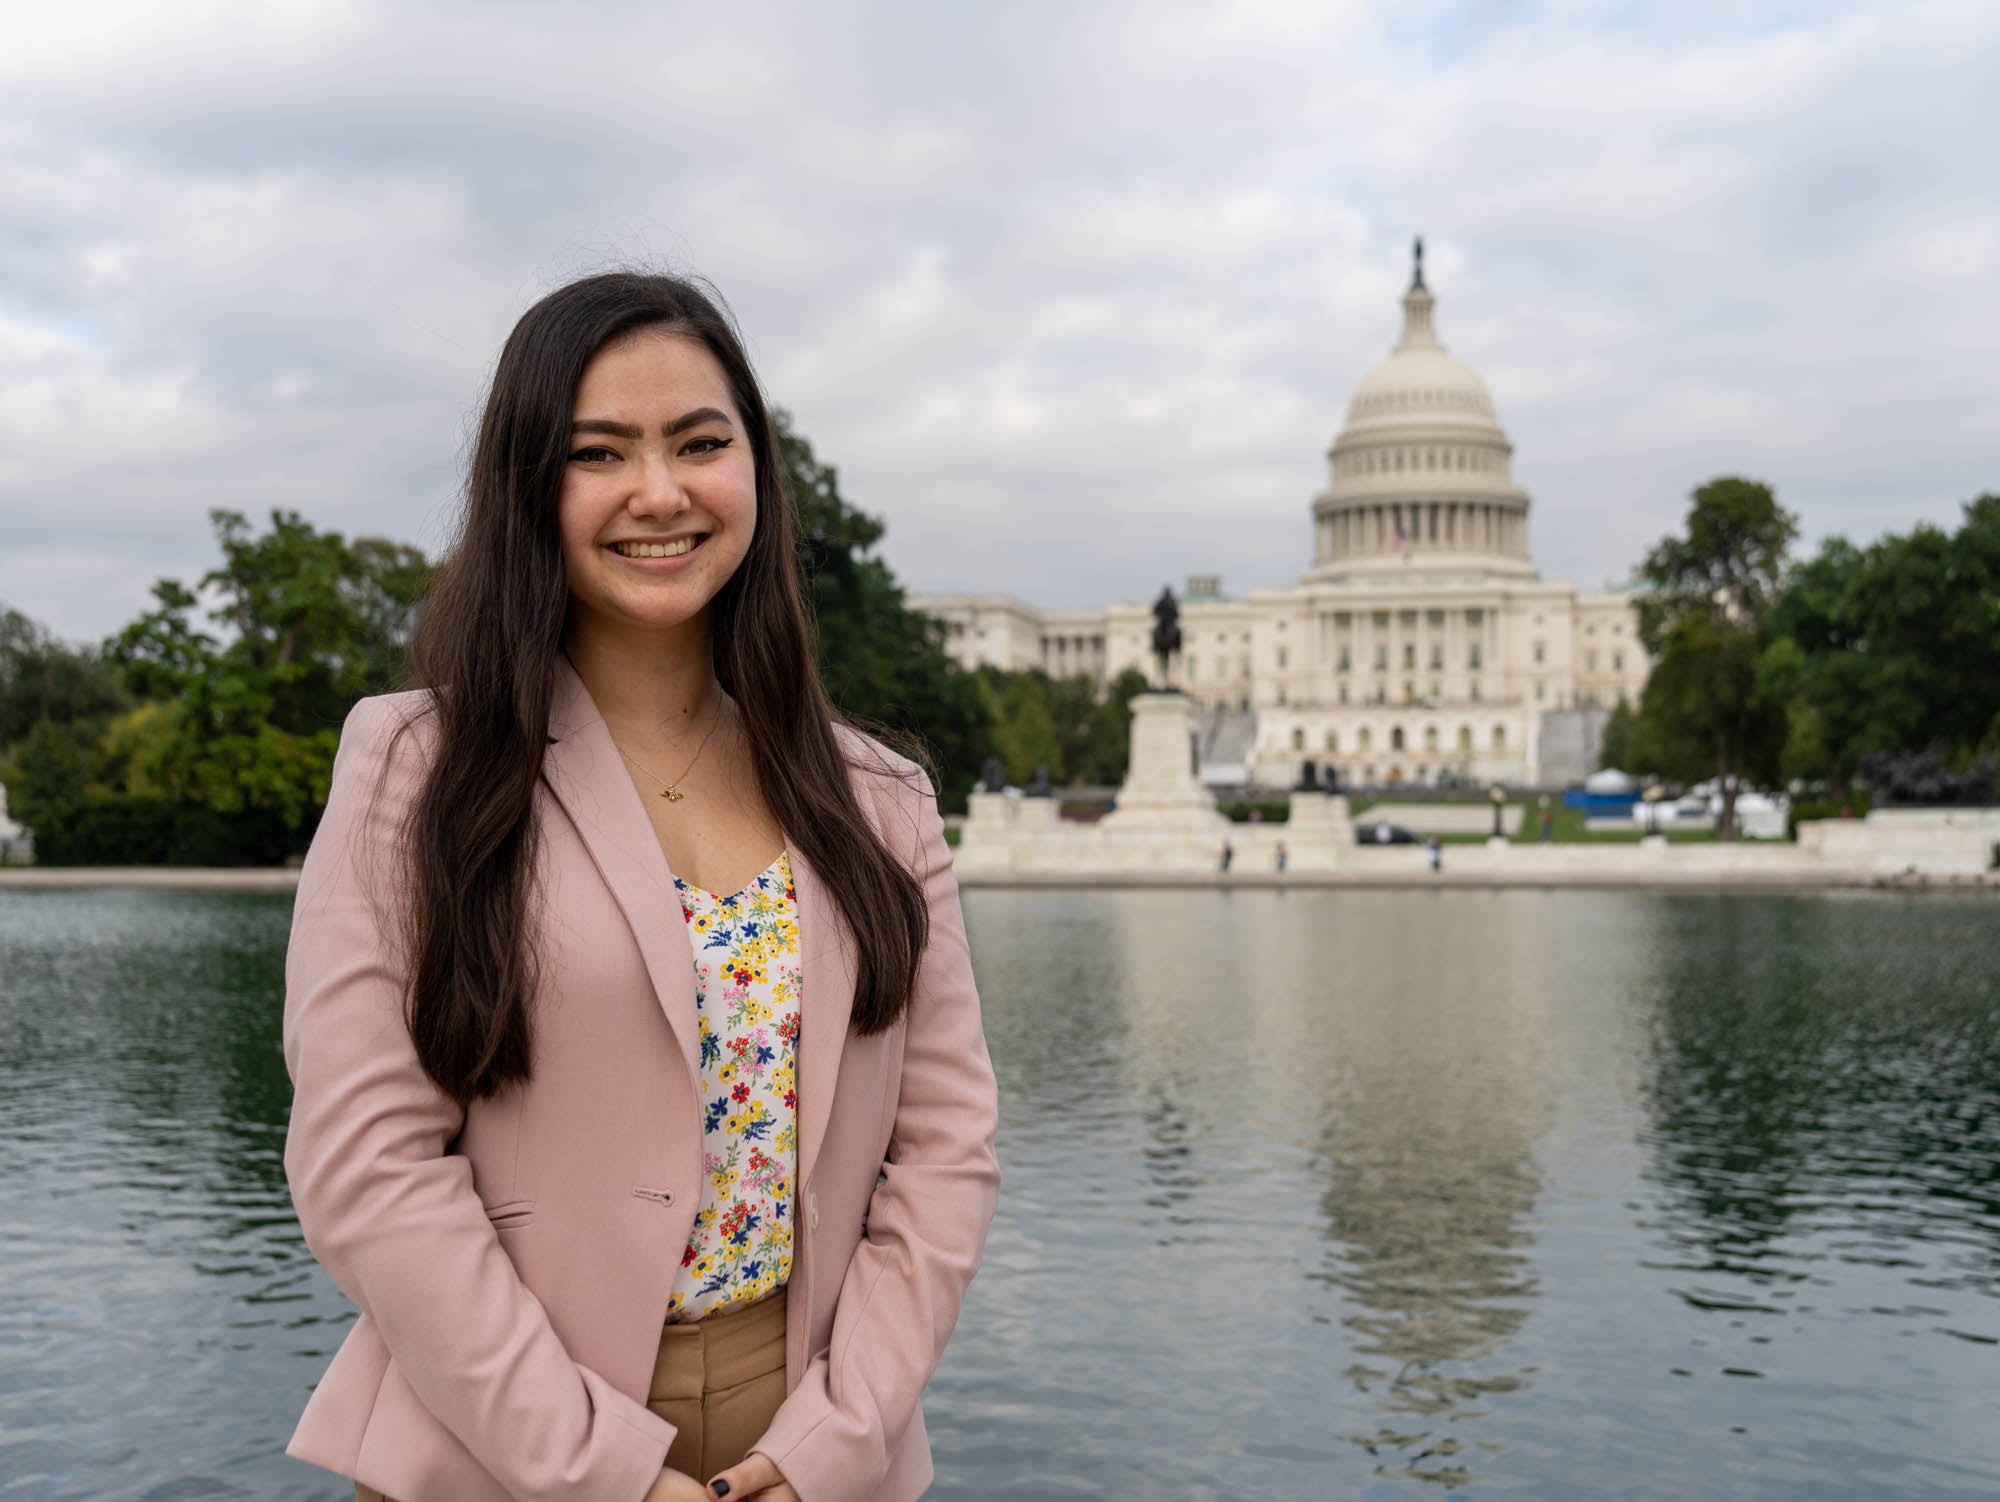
512	1260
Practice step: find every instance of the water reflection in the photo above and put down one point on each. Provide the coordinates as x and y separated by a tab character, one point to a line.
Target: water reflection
1826	1090
1307	1194
162	1321
1431	1107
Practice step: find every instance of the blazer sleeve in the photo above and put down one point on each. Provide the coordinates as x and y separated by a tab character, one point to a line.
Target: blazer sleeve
927	1222
390	1212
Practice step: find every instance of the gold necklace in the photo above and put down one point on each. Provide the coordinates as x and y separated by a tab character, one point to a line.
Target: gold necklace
668	790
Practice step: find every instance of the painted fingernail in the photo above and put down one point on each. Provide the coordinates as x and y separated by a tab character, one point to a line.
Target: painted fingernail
719	1487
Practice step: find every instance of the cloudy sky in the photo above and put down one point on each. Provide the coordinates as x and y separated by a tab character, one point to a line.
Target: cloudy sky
1073	294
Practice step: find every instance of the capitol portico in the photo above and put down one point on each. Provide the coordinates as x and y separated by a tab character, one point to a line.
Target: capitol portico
1421	642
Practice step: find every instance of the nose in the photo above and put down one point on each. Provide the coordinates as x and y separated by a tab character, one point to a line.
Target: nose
656	490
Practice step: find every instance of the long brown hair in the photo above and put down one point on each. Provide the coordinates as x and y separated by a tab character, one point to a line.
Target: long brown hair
485	648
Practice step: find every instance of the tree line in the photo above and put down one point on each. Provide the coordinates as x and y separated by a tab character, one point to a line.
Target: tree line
1774	672
203	732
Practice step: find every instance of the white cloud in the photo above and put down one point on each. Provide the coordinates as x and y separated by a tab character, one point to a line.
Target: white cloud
1073	295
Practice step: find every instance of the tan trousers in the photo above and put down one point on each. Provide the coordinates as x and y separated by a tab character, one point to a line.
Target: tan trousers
718	1381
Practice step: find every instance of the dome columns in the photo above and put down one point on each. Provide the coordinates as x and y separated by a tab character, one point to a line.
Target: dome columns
1349	530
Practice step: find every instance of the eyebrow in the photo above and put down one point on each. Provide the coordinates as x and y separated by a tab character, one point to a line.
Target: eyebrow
679	425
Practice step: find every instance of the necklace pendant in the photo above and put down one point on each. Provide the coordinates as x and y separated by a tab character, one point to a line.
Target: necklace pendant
673	797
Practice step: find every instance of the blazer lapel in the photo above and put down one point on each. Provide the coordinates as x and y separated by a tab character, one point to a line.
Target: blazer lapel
588	777
826	1002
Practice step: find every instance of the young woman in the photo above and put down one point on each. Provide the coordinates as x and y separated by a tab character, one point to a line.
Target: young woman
641	1101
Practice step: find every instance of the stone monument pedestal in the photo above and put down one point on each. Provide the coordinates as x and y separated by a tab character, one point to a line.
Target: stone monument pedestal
1161	790
1317	832
1165	819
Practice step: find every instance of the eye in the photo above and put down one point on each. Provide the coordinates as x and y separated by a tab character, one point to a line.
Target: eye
707	445
596	453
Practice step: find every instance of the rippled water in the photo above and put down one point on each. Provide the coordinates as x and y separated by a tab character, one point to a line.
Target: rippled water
1309	1194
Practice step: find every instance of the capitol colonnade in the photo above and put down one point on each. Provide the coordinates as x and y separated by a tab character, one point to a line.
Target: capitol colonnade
1420	643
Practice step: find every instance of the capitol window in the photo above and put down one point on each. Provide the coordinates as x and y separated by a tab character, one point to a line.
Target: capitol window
1381	657
1409	655
1281	657
1365	738
1465	737
1396	739
1343	659
1617	662
1472	657
1333	741
1499	737
1298	739
1538	651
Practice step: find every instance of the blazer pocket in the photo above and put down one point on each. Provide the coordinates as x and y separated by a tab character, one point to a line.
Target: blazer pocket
511	1215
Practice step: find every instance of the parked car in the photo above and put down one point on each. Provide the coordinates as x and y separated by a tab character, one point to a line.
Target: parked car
1386	834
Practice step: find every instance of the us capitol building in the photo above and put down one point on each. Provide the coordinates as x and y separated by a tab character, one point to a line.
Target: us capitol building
1421	644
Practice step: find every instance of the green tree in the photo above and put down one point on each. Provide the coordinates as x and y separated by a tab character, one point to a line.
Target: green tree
1885	646
44	678
311	623
1024	732
1110	741
1713	706
49	774
880	660
1624	744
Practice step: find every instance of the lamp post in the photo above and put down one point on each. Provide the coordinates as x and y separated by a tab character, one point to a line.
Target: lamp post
1499	796
1653	793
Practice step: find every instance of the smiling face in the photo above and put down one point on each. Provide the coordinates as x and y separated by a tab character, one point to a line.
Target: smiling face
659	495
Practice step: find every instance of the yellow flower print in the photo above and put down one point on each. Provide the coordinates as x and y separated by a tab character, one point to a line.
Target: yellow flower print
747	991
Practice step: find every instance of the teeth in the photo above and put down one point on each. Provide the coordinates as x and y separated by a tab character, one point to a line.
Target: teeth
654	549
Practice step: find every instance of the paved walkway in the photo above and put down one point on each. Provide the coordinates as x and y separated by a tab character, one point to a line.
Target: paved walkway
250	879
188	878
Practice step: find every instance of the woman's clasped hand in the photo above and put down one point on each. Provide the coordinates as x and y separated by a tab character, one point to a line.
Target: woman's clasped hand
756	1477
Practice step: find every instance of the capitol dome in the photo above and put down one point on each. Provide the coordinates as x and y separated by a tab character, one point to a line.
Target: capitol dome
1421	474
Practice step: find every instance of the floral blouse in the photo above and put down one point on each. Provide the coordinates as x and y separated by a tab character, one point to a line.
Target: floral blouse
747	983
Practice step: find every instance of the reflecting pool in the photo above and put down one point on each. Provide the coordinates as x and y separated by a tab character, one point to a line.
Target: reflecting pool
1308	1194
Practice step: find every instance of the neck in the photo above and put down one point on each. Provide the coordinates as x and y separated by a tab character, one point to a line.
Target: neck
650	686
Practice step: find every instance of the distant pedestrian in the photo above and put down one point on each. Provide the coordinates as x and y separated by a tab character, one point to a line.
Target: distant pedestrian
1548	822
1279	855
1437	854
1228	854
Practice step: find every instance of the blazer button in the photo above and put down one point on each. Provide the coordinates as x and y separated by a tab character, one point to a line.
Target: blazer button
812	1210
